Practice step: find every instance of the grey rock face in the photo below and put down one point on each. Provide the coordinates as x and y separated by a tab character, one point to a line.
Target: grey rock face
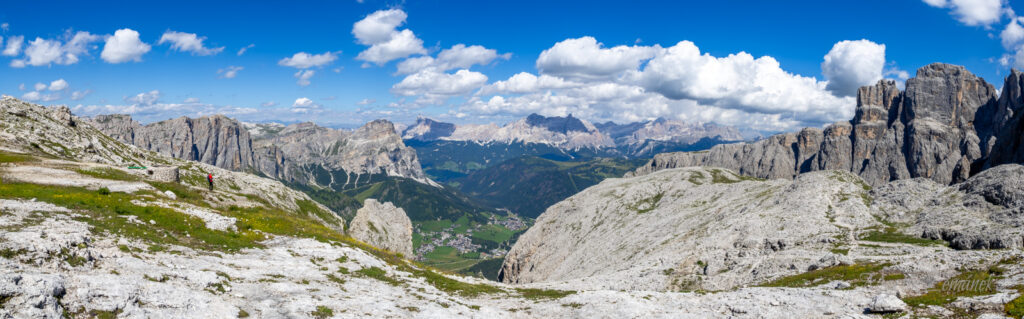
299	152
690	228
709	228
293	153
927	131
383	225
215	140
1004	141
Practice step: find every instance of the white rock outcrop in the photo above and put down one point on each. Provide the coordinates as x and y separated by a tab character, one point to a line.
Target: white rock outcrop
384	226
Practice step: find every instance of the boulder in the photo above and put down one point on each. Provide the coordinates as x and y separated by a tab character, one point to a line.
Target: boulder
383	225
886	303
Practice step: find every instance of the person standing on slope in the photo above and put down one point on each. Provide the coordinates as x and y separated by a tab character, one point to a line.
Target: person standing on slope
209	178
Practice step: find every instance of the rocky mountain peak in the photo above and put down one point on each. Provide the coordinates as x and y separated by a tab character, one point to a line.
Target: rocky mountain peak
427	129
558	124
947	94
376	129
878	102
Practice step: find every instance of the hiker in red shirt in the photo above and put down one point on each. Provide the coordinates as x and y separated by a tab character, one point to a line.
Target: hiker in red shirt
209	178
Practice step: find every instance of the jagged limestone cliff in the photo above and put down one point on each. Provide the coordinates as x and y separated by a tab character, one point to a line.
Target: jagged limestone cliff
298	153
933	129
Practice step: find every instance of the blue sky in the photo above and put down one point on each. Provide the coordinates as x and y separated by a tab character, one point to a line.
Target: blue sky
620	61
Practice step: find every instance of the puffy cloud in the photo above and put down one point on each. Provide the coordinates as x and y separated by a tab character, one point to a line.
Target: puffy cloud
229	72
304	76
402	44
852	64
188	42
124	46
379	31
144	98
378	26
413	65
38	95
31	96
739	81
58	85
524	82
585	58
14	44
305	105
40	52
5	26
302	102
44	52
303	60
973	12
1012	35
432	84
458	56
78	95
245	48
192	100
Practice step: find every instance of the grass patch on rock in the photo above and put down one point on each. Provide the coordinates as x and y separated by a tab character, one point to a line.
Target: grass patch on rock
6	157
966	284
893	235
856	275
377	273
109	213
108	173
535	294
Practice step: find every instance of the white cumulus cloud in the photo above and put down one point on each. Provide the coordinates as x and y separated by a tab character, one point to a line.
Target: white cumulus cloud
302	102
14	44
852	64
433	83
144	98
124	46
45	52
585	58
740	81
525	82
58	85
305	105
188	42
379	31
973	12
303	60
458	56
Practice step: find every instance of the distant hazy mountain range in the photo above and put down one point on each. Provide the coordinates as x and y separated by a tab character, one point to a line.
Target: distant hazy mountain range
638	139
